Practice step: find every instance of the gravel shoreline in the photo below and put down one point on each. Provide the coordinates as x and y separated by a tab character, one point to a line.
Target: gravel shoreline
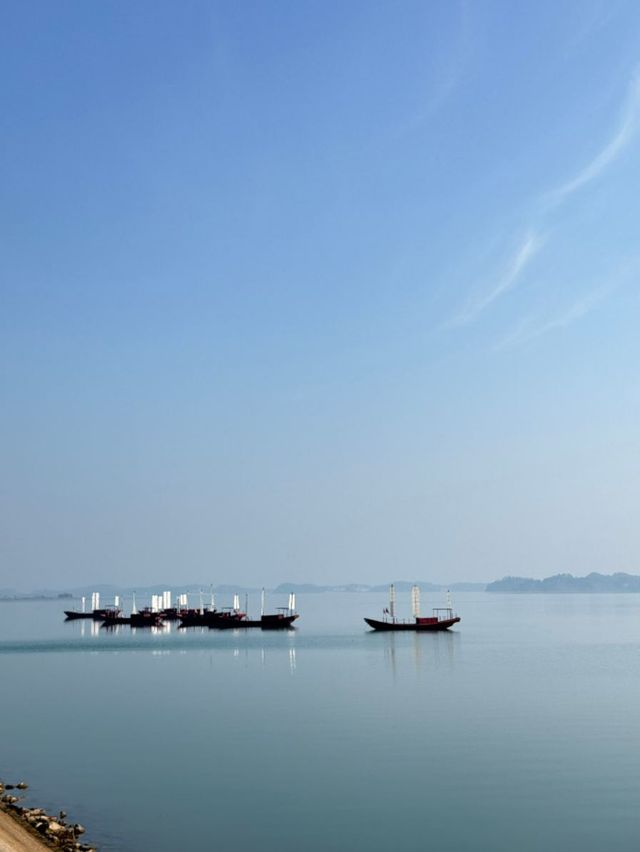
16	837
27	829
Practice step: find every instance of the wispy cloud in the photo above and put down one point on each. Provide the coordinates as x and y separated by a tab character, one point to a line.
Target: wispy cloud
445	75
628	126
507	280
508	277
448	71
530	328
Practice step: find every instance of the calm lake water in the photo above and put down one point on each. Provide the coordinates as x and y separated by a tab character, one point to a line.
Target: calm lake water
516	731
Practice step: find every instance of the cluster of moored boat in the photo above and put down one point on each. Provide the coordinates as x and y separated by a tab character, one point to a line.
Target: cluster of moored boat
162	610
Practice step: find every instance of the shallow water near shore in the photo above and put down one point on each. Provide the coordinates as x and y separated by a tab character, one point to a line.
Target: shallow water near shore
515	731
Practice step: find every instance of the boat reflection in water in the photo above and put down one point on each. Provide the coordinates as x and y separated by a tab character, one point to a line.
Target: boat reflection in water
438	652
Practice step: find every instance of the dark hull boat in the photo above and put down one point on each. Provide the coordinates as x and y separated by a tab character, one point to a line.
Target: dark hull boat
96	614
265	622
442	619
172	614
144	618
420	624
211	618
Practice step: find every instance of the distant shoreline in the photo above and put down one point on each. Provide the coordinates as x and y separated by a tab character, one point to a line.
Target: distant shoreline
593	583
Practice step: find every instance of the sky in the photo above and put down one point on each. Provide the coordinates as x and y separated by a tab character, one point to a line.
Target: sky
317	291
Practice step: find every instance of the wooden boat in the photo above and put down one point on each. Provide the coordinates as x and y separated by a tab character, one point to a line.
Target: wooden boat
97	613
280	620
211	617
148	616
442	619
144	618
277	621
419	624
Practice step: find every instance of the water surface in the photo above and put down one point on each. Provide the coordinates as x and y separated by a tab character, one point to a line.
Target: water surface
516	731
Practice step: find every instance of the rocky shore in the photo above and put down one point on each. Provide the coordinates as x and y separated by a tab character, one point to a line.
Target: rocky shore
33	828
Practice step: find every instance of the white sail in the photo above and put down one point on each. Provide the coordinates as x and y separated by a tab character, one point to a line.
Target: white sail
415	601
116	600
84	603
134	610
392	601
236	603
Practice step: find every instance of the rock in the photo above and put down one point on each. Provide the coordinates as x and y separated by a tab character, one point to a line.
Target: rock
22	785
9	786
79	829
9	800
62	815
55	826
33	814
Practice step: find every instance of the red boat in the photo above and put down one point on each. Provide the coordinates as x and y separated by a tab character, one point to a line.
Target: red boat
420	624
442	619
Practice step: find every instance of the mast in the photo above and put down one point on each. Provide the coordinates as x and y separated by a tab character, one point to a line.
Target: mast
262	603
415	601
392	602
84	603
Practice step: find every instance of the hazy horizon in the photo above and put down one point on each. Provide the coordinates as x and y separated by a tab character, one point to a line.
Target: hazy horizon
319	292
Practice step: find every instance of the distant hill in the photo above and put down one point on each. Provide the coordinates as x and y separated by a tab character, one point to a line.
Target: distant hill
108	591
562	583
402	586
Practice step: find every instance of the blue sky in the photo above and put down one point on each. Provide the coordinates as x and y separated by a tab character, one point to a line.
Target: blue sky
319	291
